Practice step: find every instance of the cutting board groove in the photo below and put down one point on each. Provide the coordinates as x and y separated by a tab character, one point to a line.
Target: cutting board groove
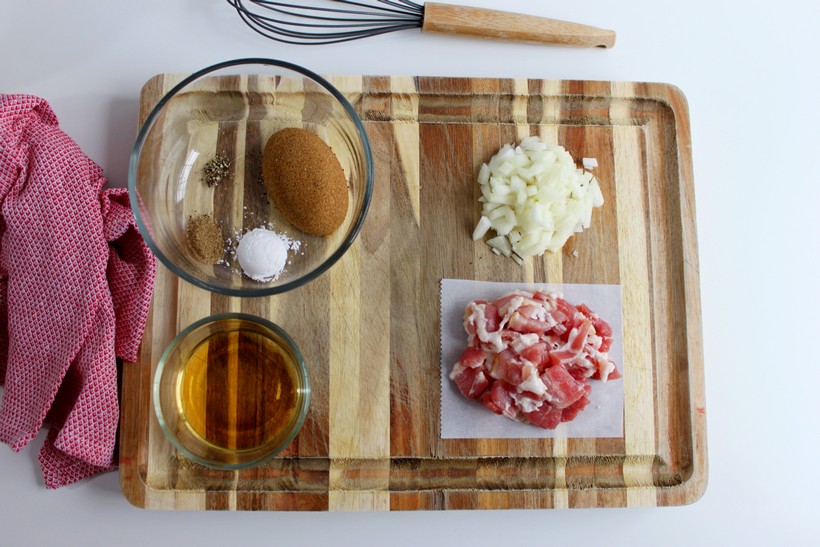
369	327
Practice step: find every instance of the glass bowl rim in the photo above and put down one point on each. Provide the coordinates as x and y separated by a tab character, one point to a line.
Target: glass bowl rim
262	291
301	368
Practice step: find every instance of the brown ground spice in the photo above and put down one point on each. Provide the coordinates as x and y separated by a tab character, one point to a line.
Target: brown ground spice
305	180
205	238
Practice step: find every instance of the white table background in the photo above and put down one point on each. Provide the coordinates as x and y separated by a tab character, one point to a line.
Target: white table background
750	72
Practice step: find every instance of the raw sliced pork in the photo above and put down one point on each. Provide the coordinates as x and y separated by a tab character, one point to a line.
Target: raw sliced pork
531	355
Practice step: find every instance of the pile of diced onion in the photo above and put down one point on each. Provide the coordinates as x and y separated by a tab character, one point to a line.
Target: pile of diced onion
534	197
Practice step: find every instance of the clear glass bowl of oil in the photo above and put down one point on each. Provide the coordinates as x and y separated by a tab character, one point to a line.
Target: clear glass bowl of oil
231	391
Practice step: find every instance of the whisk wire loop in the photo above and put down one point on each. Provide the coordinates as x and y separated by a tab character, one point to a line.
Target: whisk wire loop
287	22
293	9
336	22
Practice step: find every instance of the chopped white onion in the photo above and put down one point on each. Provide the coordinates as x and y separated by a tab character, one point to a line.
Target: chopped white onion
501	244
481	228
589	163
535	198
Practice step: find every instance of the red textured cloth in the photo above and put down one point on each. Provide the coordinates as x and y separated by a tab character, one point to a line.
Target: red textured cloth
75	285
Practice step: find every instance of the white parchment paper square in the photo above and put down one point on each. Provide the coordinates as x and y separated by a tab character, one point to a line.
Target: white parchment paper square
463	418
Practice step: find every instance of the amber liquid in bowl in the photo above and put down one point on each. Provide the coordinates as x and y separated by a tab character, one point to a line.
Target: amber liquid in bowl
238	390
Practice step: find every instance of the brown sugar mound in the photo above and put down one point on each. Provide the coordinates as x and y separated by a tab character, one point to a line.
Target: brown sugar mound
305	181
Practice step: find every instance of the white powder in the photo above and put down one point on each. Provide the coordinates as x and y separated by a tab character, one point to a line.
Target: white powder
263	254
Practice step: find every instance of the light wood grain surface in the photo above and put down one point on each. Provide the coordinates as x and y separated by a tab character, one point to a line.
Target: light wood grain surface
369	327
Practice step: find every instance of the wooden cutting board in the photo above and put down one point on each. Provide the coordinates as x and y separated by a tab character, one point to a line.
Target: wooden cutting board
369	327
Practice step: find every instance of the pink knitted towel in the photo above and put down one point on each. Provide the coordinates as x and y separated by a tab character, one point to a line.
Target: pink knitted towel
75	285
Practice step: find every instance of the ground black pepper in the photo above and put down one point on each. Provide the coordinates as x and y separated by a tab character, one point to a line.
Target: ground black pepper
216	170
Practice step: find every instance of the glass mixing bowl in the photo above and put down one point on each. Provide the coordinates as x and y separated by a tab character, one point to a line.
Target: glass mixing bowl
200	153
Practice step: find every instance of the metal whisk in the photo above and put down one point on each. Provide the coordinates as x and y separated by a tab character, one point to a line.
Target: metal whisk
327	22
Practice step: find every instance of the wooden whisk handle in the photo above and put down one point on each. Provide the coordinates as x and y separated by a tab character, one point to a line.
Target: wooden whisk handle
511	27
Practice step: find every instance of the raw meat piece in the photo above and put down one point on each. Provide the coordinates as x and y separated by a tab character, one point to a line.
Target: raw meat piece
470	377
562	388
499	399
471	382
568	414
546	416
537	354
